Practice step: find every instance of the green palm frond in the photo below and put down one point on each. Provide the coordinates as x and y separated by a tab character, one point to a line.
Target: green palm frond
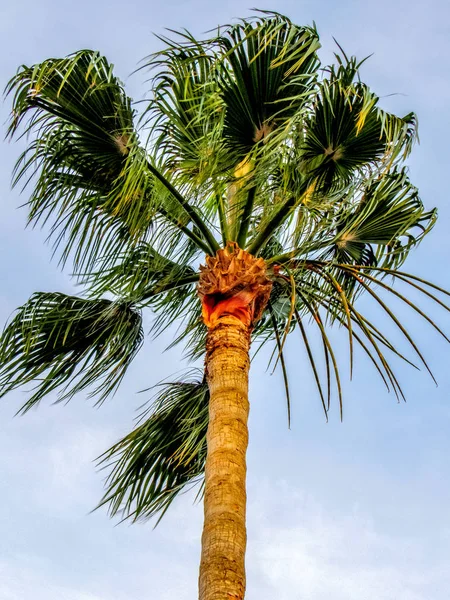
92	179
348	133
340	140
322	300
185	109
382	225
68	344
142	274
180	306
375	222
279	349
241	84
216	101
167	287
163	456
268	69
81	90
392	217
89	172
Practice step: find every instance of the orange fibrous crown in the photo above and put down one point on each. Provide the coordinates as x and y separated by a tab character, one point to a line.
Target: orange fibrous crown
233	282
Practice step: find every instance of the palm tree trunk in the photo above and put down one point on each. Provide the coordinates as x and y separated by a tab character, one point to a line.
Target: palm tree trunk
234	290
222	567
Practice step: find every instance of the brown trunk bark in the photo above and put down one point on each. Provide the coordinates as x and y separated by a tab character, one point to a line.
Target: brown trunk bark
222	567
234	290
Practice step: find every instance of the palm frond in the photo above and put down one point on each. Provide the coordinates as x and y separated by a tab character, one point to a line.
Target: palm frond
141	274
326	294
163	456
268	69
215	102
92	179
378	224
185	110
279	348
191	333
68	344
89	172
349	133
167	287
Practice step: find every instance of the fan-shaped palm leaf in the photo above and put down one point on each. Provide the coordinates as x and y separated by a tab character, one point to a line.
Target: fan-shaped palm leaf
96	182
68	344
269	68
347	131
163	456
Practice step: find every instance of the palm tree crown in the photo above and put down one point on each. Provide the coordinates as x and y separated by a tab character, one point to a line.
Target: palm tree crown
252	145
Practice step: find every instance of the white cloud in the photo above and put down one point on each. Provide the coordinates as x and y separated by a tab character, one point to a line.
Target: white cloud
19	581
300	547
316	555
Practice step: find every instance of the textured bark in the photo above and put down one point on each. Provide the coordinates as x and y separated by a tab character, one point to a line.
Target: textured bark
234	290
222	567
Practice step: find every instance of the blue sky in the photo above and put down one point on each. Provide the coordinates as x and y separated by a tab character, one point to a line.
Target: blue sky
351	511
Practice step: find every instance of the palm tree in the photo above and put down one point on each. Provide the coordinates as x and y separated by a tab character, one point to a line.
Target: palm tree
270	193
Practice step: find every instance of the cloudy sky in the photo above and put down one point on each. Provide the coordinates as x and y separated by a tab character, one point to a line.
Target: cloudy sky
351	511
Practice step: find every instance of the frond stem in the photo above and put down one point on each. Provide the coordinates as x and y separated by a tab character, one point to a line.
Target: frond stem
263	236
275	221
222	219
188	233
170	286
213	246
246	216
